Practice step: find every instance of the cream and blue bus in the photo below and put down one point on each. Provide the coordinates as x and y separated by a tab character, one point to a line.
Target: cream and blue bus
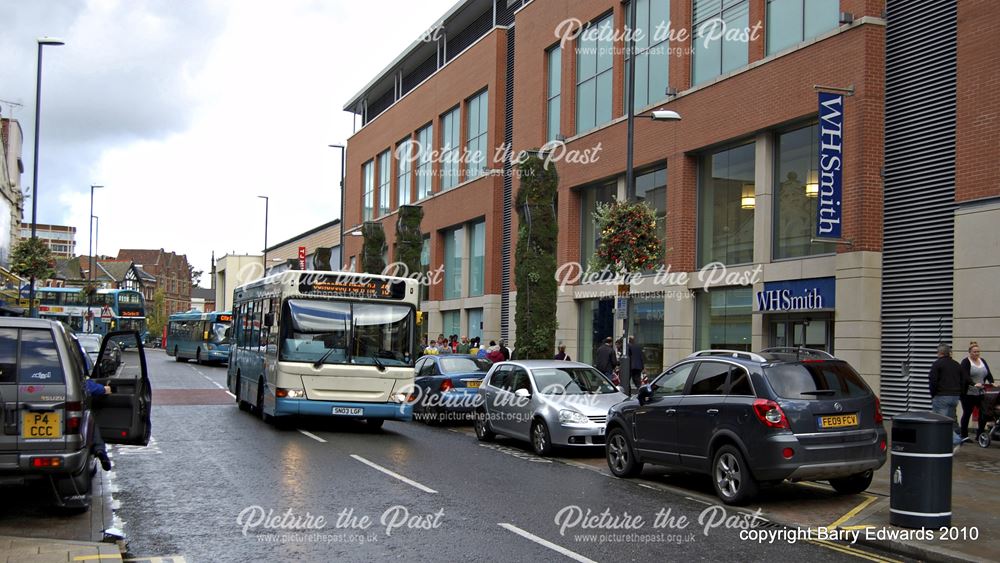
325	343
202	337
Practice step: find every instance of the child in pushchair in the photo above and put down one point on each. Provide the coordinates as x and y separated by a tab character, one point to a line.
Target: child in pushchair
989	411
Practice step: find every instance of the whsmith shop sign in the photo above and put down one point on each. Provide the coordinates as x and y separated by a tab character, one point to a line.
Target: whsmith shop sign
817	294
831	160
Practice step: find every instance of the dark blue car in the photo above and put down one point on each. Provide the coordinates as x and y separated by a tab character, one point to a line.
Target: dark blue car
447	386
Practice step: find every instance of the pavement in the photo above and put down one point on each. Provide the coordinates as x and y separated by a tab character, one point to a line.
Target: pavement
36	550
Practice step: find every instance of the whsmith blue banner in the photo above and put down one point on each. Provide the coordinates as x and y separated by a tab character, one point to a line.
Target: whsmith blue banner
816	294
831	159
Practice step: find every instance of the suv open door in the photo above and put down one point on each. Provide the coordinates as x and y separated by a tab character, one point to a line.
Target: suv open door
123	416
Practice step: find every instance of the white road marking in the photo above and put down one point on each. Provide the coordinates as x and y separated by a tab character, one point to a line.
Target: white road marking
210	380
230	394
313	436
390	473
545	543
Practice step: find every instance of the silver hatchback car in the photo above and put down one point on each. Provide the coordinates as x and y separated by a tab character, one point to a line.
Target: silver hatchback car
546	402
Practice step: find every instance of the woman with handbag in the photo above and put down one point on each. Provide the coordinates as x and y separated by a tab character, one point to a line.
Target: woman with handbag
976	369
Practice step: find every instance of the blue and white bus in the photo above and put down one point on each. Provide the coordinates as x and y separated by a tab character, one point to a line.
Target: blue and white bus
106	311
202	337
325	343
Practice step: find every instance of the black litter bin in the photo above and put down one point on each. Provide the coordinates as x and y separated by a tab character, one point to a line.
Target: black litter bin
920	470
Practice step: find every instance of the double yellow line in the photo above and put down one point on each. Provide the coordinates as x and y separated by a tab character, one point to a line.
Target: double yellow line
846	549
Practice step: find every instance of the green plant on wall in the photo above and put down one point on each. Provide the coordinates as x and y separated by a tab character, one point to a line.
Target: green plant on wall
628	238
373	250
535	260
409	239
31	257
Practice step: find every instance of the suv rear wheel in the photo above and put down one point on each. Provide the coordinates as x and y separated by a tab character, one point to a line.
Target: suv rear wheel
852	484
731	477
621	457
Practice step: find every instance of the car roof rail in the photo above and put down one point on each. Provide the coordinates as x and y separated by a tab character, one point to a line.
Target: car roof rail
739	354
800	352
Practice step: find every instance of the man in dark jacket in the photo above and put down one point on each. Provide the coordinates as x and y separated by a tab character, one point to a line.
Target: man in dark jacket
606	359
947	382
637	365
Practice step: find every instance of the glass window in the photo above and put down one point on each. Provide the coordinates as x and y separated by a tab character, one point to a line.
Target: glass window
590	238
450	148
384	181
39	358
454	244
651	187
425	266
464	365
501	378
796	190
673	381
740	382
820	380
368	198
477	260
320	331
554	92
646	318
718	49
451	321
424	156
381	334
794	21
652	47
572	381
404	166
726	206
475	323
710	379
8	355
593	77
724	318
596	323
476	127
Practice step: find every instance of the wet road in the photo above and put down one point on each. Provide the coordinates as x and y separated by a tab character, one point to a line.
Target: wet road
217	484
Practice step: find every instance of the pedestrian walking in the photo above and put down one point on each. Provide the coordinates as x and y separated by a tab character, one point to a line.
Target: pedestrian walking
464	346
947	383
636	365
493	353
605	360
977	371
504	350
562	355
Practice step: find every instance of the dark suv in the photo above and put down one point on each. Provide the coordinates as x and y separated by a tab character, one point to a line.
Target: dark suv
47	420
746	418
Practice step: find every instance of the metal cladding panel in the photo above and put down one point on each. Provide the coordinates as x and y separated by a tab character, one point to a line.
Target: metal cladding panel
508	192
919	204
463	39
419	74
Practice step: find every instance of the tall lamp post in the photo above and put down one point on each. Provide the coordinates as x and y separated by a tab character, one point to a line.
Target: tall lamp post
657	115
343	164
267	203
42	41
90	254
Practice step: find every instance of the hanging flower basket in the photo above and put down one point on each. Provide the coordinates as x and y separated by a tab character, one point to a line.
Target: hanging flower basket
628	240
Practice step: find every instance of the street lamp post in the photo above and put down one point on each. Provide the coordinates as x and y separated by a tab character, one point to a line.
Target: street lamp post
90	252
267	203
42	41
343	164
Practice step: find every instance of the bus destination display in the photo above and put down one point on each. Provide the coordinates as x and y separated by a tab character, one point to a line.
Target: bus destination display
346	286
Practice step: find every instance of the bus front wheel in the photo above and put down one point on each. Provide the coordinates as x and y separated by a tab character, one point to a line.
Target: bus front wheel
260	403
197	357
177	357
243	405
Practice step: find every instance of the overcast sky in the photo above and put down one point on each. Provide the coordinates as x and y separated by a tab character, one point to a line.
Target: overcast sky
186	110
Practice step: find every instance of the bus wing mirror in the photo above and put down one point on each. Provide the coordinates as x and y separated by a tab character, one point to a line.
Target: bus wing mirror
268	319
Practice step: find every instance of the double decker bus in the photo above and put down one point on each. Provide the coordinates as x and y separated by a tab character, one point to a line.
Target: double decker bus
325	343
109	309
128	310
67	305
202	337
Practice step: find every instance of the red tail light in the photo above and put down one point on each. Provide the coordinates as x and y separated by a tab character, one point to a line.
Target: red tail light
46	462
74	416
878	411
770	413
447	385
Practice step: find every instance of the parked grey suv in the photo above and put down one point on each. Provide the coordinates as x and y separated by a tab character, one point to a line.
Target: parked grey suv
746	419
49	421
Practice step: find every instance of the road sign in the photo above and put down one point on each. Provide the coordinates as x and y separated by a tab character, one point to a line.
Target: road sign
302	258
106	313
621	308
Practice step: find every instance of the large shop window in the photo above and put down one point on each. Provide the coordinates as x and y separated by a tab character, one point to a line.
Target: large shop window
454	243
553	98
652	48
368	198
796	191
794	21
451	144
477	260
425	161
594	58
589	237
726	204
724	318
646	317
475	326
717	52
425	266
476	120
404	166
596	323
452	321
651	187
384	181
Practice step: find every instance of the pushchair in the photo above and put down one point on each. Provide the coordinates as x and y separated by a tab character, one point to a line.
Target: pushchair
989	409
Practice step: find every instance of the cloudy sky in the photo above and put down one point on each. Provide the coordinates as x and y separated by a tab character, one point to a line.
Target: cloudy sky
186	110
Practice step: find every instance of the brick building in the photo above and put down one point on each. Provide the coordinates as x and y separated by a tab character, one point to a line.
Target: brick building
734	182
172	273
61	239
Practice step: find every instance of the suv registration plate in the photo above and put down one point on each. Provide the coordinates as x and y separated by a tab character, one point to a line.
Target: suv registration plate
348	411
41	425
838	421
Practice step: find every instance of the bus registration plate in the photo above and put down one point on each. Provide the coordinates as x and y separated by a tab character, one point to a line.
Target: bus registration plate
348	411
